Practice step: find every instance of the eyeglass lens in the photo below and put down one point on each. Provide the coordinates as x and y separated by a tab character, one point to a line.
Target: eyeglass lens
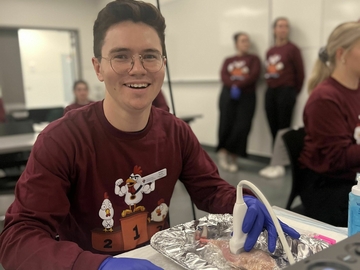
123	62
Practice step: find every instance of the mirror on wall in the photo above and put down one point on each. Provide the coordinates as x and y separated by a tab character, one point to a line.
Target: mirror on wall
39	67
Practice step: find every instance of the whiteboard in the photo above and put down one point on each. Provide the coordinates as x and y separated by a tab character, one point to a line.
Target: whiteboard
199	34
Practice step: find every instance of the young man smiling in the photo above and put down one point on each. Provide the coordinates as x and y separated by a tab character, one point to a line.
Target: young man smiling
101	178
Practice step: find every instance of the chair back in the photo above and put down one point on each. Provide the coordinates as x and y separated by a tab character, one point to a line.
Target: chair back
294	143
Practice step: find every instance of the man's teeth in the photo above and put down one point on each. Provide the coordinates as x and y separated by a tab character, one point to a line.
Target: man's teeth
138	85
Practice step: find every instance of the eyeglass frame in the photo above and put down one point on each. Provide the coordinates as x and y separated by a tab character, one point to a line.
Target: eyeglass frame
163	58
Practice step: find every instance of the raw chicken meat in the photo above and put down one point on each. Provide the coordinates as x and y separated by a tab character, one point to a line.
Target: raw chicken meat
254	260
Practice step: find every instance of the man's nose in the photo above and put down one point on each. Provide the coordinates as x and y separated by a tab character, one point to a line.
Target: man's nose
137	65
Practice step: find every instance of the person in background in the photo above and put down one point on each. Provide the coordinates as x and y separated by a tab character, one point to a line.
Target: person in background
284	76
81	92
2	111
331	153
100	179
160	102
239	75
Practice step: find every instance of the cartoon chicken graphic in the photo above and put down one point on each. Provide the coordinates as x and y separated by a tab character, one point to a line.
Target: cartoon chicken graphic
273	66
238	70
357	133
133	190
106	213
160	212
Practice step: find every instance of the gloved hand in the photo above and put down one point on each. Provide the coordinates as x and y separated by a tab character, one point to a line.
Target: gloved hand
256	218
235	92
112	263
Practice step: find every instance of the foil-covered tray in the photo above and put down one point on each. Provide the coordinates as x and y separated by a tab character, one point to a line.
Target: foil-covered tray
185	245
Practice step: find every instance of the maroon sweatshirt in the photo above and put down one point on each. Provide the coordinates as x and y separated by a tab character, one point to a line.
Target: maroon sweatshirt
2	112
90	183
160	102
332	122
284	67
242	71
74	106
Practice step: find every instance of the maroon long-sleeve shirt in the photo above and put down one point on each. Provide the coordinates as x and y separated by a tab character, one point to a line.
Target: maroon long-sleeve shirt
2	112
284	67
74	106
85	176
332	124
242	71
160	102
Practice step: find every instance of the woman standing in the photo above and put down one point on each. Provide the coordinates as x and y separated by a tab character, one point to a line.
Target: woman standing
331	154
81	92
284	77
239	74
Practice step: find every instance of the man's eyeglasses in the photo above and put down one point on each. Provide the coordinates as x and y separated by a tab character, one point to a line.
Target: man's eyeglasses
123	62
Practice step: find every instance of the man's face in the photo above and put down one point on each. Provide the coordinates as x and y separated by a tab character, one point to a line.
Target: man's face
81	92
242	43
133	38
281	29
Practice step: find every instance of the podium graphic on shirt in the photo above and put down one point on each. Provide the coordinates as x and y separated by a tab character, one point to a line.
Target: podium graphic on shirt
135	225
273	66
357	133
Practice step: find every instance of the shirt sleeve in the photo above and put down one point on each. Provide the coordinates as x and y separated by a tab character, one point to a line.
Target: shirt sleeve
202	181
299	69
225	75
41	204
2	112
67	108
254	74
328	130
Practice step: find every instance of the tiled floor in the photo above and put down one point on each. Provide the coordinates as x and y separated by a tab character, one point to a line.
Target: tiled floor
275	190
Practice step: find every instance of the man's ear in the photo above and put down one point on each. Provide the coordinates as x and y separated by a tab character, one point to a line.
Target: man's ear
97	67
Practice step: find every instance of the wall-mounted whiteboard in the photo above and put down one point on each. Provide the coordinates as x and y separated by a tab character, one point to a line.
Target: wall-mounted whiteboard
199	35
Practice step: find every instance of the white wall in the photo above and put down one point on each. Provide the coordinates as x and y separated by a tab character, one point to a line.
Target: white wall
200	42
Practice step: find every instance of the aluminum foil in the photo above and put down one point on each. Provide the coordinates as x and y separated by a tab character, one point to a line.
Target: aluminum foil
183	244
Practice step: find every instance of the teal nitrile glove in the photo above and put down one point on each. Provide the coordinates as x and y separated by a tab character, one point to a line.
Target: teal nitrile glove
256	218
112	263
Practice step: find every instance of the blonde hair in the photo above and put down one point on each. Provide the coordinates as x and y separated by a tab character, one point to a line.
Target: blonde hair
343	36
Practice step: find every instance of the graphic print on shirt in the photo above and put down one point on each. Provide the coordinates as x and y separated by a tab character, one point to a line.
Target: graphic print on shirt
106	213
357	132
273	66
238	70
160	212
136	225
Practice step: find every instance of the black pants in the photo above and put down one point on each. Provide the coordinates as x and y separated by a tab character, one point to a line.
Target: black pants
324	198
279	105
235	121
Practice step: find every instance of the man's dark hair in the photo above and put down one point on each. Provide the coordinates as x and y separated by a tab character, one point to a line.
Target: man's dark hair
279	19
80	82
127	10
237	35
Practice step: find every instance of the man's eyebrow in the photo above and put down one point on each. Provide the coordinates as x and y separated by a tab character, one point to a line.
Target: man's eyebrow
152	50
117	50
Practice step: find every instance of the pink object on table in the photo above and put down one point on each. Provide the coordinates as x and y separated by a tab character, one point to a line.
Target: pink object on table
326	239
